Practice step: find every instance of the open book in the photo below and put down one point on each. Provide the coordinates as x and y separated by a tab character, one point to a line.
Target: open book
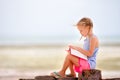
78	54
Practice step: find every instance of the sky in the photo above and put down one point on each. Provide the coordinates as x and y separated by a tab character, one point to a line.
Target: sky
46	18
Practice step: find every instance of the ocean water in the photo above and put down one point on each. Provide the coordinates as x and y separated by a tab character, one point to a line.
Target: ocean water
58	40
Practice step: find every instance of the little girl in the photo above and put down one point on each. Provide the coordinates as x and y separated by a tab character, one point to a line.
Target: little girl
90	49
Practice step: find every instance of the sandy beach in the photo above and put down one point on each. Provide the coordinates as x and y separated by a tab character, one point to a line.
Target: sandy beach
29	61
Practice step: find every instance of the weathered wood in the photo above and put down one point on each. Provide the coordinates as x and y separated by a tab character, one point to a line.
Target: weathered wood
92	74
45	78
112	79
53	78
67	78
26	79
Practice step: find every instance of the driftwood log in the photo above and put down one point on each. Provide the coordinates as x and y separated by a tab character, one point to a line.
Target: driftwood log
112	79
45	78
26	79
92	74
67	78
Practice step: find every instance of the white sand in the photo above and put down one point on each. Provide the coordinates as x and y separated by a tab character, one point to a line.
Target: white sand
13	58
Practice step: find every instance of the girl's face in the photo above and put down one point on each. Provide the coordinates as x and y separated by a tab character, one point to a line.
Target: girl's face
83	30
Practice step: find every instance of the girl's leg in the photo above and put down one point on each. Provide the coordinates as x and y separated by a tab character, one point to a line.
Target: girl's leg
72	72
65	66
69	61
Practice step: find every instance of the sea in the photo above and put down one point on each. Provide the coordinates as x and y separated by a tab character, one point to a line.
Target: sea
54	40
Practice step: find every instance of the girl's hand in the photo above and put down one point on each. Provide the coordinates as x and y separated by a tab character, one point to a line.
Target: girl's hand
71	46
68	50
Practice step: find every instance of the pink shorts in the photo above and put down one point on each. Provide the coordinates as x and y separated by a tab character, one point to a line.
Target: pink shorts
83	65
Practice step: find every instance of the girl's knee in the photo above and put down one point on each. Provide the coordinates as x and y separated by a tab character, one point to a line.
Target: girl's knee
68	56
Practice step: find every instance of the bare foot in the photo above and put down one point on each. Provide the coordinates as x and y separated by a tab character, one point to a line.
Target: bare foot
61	73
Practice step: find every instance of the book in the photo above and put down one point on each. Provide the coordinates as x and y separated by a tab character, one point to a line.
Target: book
78	54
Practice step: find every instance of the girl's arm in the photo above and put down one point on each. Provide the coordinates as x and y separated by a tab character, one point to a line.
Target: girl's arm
89	52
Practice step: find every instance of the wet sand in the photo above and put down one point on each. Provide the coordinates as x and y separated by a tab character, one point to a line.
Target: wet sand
30	61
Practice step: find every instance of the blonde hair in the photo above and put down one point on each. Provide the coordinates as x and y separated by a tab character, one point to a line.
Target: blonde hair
87	22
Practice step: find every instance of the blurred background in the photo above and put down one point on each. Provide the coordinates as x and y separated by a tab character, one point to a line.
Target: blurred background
35	33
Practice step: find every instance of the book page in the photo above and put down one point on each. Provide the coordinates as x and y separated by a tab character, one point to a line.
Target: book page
78	54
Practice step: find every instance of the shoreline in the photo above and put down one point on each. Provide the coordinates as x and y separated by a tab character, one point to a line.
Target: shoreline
60	44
